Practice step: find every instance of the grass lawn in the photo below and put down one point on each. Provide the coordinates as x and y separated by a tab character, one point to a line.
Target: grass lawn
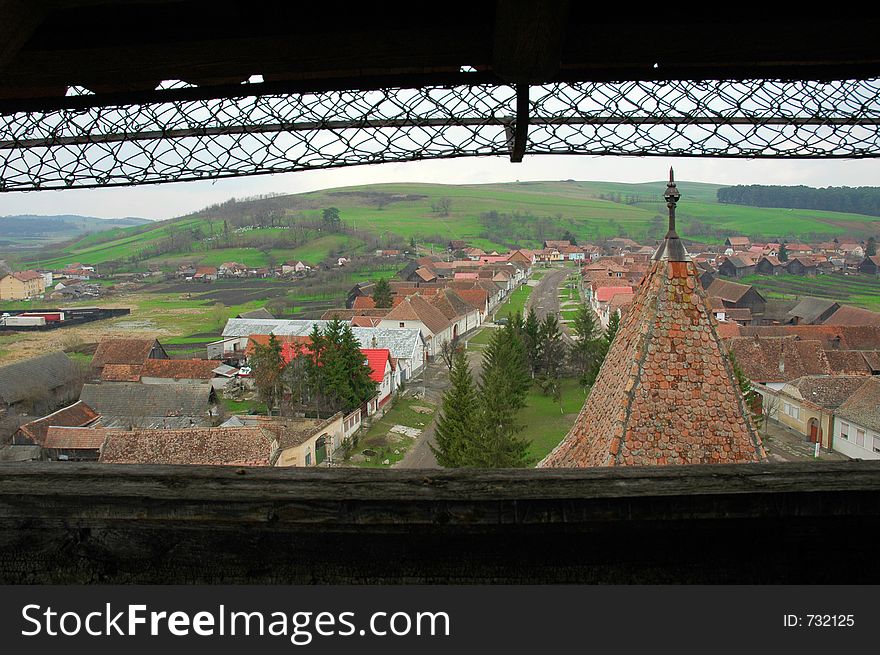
481	338
545	424
516	302
242	406
387	445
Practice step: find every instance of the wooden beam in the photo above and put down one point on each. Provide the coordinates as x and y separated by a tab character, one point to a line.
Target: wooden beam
528	39
80	523
18	21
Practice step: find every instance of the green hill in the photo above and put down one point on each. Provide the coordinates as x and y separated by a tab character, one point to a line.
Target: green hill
486	215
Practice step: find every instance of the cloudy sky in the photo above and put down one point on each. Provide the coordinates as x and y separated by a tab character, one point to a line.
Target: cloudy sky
169	200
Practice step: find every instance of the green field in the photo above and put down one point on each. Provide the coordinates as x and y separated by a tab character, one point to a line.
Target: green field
858	290
590	210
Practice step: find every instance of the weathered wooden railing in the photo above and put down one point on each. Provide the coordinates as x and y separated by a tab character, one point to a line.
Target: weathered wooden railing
92	523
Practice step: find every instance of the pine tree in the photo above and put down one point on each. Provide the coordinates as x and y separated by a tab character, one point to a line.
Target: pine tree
871	247
532	340
589	350
783	253
457	428
552	347
382	294
504	383
613	326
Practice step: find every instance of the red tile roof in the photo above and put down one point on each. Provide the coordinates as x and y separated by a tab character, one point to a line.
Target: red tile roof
64	438
377	358
604	294
122	351
121	372
666	393
847	315
179	369
75	415
778	359
26	276
247	446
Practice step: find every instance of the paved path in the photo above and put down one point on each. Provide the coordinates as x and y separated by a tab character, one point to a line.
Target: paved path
545	296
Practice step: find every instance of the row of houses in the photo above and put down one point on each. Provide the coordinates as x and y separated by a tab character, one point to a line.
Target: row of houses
822	381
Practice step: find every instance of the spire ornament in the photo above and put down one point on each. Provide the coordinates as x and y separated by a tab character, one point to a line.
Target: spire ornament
672	249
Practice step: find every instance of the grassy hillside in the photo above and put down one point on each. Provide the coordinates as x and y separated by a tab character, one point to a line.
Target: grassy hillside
525	213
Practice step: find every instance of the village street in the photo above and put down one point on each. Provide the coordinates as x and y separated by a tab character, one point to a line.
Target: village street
435	377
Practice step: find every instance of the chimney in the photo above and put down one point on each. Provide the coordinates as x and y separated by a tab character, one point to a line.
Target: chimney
374	343
781	362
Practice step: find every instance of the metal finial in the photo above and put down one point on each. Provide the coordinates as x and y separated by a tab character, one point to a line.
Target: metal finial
672	196
672	248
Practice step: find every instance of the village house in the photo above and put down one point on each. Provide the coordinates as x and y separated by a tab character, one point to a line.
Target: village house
738	243
382	372
232	269
131	352
737	266
738	296
802	265
807	404
34	433
206	274
811	311
416	312
22	285
870	265
857	423
769	265
603	298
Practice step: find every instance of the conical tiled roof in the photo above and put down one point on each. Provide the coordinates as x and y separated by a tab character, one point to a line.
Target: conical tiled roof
666	393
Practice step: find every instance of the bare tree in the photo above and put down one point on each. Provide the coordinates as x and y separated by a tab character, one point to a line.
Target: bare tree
447	351
771	409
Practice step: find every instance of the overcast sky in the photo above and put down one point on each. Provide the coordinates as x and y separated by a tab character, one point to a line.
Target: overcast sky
169	200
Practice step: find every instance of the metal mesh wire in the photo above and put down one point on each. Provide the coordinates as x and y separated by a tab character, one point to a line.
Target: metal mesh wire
201	139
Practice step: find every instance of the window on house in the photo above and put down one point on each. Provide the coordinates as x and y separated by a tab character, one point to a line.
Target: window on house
844	430
308	459
401	324
860	438
877	444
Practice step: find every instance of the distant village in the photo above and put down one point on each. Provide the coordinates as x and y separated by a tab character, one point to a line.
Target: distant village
812	363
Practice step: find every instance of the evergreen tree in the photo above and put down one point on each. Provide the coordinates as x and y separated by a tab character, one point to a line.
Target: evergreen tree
331	218
503	387
457	428
871	247
589	350
532	341
613	326
382	294
267	365
783	253
552	347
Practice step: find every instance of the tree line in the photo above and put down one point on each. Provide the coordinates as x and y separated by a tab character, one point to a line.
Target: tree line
477	425
328	375
856	200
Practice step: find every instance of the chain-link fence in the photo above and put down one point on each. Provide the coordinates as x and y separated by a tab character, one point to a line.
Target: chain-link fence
179	140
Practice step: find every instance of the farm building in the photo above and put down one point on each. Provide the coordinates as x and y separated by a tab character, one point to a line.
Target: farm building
40	384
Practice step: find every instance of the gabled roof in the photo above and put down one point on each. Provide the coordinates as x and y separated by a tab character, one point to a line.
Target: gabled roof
75	415
848	362
727	290
42	373
847	315
125	404
26	276
75	438
863	406
825	391
246	446
666	393
605	294
809	310
112	350
377	359
778	359
416	308
476	298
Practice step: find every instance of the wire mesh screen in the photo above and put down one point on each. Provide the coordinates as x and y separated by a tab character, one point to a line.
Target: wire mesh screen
179	140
